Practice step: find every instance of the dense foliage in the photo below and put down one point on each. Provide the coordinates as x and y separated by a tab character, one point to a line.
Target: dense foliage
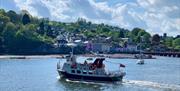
18	33
23	32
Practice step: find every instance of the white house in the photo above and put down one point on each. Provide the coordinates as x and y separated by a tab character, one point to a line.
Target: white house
100	47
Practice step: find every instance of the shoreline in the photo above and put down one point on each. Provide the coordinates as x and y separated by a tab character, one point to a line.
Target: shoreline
115	56
29	56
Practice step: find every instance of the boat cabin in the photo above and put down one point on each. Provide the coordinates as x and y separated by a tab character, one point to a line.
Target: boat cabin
95	68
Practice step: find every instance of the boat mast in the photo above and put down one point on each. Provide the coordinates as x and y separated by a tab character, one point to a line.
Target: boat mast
140	47
72	57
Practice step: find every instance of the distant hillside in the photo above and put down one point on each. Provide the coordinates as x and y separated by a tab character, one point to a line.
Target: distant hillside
23	32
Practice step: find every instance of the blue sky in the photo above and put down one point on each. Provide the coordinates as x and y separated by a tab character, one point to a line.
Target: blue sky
155	16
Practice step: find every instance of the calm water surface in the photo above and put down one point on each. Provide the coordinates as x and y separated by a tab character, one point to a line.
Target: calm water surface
161	74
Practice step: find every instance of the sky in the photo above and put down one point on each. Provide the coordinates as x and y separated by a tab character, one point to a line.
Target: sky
155	16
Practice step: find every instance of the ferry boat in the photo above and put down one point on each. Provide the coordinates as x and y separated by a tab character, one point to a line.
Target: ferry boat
88	71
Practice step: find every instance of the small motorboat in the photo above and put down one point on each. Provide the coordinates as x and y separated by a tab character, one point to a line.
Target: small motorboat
140	61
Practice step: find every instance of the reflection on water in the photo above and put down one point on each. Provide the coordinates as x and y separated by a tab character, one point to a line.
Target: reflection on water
161	74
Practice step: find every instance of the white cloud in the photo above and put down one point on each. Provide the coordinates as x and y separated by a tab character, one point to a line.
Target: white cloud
25	5
45	8
161	16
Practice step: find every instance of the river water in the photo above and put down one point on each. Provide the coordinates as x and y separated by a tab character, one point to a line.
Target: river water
161	74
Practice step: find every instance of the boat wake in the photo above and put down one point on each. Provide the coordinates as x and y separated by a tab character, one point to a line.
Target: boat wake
58	77
85	82
147	84
82	81
152	85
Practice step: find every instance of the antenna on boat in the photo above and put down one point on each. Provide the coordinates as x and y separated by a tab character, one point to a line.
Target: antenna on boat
72	45
141	47
72	57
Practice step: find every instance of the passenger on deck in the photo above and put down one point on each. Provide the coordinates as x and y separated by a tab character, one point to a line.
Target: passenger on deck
85	62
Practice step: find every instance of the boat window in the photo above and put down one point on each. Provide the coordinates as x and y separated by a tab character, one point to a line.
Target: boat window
90	72
72	71
78	71
84	72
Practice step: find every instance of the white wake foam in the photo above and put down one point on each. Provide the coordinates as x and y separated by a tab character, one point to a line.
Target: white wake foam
85	82
58	77
152	84
149	84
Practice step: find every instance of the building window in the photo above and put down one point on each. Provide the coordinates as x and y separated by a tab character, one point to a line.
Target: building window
78	71
72	71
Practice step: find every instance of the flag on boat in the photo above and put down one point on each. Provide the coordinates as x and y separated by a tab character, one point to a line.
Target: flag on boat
122	65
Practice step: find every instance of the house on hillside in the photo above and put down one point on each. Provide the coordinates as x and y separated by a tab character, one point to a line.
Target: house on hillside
128	48
99	47
60	41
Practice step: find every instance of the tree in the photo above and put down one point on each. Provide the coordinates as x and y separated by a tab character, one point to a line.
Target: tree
9	36
13	16
134	35
155	39
139	37
178	36
114	35
168	41
146	37
3	21
35	20
121	34
41	28
26	19
177	48
49	31
81	21
27	40
30	38
135	31
141	32
2	11
89	23
105	30
176	43
1	44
